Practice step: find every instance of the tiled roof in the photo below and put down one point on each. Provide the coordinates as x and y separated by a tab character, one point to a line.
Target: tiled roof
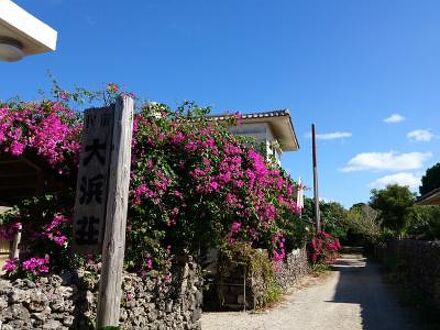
432	196
266	114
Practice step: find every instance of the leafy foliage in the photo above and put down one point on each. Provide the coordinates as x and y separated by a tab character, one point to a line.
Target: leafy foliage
423	222
334	219
362	221
333	216
394	203
256	264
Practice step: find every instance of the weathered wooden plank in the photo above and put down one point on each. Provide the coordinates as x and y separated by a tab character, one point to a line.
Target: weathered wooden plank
14	253
91	189
117	205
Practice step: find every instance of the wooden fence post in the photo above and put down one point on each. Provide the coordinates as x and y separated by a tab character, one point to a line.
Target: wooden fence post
109	299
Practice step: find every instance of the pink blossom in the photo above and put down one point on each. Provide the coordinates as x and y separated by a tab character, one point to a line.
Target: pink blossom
10	265
60	240
37	265
213	185
235	227
17	148
149	263
191	146
57	220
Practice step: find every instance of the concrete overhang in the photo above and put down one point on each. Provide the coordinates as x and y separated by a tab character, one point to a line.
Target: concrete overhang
20	28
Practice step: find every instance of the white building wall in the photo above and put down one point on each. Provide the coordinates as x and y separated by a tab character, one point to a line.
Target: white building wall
262	133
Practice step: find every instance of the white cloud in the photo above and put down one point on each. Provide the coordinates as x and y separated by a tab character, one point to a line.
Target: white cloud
403	179
333	135
421	135
390	161
394	118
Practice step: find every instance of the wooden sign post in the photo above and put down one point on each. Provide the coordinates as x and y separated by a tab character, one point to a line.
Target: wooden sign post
102	199
109	300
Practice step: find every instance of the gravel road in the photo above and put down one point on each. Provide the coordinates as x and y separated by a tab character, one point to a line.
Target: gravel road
351	297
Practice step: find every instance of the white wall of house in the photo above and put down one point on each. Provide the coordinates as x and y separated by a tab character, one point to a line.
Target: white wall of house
262	133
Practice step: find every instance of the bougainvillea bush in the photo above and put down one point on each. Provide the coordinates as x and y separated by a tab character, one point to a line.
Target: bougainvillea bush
193	185
323	248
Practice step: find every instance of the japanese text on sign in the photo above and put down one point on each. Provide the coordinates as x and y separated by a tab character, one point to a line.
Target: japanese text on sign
91	192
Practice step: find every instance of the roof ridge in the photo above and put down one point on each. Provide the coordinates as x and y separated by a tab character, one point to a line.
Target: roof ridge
270	113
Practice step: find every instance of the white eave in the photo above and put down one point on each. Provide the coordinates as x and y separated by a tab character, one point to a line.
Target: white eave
280	122
17	24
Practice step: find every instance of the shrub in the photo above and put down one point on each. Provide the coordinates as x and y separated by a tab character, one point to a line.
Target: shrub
423	222
323	248
192	183
258	267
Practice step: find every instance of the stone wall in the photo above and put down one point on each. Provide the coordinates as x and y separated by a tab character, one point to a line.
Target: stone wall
234	295
293	269
417	265
68	301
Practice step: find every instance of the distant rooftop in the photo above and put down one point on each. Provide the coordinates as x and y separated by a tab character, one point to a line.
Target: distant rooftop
431	198
279	121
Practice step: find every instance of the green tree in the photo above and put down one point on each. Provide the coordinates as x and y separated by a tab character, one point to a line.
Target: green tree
431	179
394	203
362	221
333	216
423	222
308	212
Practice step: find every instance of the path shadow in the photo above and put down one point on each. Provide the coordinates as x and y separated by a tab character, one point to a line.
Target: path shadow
360	282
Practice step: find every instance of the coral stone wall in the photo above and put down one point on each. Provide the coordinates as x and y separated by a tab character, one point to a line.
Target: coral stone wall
417	264
293	269
68	301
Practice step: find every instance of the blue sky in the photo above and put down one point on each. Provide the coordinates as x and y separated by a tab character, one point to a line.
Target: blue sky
345	65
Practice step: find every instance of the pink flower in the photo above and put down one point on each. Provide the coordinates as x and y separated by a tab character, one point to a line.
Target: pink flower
60	240
57	220
37	265
149	263
17	148
235	227
10	265
213	185
168	278
64	96
191	146
176	139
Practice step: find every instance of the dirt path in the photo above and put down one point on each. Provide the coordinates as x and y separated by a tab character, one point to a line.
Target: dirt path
351	297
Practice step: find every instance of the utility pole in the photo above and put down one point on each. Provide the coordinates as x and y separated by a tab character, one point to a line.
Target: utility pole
315	180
